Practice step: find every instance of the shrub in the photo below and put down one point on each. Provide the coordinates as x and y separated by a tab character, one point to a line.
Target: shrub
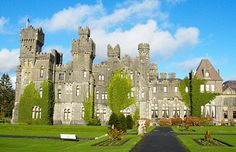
176	121
118	120
129	121
165	122
123	123
206	121
94	122
147	121
207	136
114	120
115	134
192	121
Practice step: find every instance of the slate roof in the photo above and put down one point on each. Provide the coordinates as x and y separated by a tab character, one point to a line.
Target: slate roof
229	84
205	65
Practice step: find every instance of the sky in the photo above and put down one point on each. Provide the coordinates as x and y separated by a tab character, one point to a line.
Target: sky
180	32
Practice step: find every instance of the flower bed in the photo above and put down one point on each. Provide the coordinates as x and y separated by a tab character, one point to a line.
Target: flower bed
110	142
212	142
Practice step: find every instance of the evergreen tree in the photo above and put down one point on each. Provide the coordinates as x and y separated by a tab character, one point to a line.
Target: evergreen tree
7	96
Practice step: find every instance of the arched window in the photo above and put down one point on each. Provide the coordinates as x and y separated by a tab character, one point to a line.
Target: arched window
67	114
36	112
102	77
99	77
41	92
176	111
154	110
165	111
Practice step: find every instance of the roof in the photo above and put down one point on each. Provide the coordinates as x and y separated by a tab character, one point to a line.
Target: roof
206	66
229	84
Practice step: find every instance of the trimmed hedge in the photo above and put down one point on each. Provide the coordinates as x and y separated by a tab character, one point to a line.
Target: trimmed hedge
31	98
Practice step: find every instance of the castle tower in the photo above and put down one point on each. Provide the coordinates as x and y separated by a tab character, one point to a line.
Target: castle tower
144	58
31	41
113	53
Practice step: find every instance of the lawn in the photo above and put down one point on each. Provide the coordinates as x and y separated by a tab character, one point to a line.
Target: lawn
53	131
217	132
46	145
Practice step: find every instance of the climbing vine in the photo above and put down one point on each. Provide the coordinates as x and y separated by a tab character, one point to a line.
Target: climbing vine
31	98
118	92
198	98
88	109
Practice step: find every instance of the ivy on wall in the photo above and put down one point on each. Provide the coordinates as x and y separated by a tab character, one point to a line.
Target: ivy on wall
118	90
31	98
88	109
198	98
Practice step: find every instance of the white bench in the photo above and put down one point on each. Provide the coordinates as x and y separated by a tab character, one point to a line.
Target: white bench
68	136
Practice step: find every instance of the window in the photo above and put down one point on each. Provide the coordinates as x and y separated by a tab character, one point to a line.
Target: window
185	111
61	76
186	89
36	112
207	74
59	93
202	88
106	96
77	91
207	88
41	92
97	94
67	114
82	112
176	89
212	88
126	112
142	94
165	89
165	111
234	114
225	113
154	110
154	89
176	112
70	75
102	77
85	74
41	72
99	77
103	96
131	75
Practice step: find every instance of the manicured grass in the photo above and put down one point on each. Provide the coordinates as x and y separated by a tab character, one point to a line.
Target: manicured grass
203	129
192	146
54	131
39	145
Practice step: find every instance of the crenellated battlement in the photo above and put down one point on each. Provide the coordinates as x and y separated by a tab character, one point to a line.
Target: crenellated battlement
143	46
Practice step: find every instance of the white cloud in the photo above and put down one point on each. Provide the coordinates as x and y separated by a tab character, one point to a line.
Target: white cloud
8	60
161	42
3	22
188	65
129	24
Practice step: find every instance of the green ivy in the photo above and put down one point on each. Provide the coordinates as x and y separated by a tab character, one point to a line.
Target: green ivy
198	98
88	109
118	90
31	98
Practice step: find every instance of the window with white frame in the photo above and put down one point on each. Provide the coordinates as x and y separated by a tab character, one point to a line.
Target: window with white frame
103	78
165	111
207	88
103	96
202	88
176	89
67	114
154	110
165	89
186	89
99	77
85	74
97	94
82	112
212	88
131	75
36	112
176	111
154	89
41	92
142	94
59	94
41	72
77	91
126	112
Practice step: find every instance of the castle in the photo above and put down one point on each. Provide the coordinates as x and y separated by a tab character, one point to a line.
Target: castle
156	94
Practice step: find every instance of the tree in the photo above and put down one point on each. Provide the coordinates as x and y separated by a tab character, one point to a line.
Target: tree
118	92
129	121
136	116
7	96
198	98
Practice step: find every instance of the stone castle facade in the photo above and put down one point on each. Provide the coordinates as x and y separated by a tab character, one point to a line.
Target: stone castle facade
156	94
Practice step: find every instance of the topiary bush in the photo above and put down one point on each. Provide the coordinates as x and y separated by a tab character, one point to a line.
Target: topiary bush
129	121
123	123
118	121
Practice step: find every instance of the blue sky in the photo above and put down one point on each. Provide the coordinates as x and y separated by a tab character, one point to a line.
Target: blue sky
180	32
